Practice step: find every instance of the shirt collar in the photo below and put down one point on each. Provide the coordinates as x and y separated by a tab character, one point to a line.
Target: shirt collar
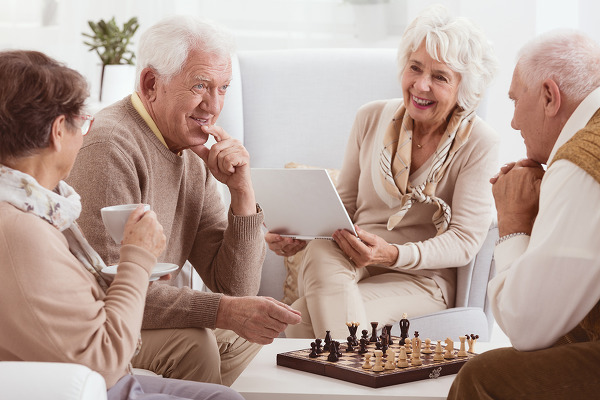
578	120
139	107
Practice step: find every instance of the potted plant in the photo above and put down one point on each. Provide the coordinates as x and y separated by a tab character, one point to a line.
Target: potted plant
111	43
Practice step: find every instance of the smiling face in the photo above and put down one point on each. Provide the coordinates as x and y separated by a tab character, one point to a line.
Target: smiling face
430	89
192	98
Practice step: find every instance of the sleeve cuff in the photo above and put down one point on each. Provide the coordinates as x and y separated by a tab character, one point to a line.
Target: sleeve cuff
408	256
509	250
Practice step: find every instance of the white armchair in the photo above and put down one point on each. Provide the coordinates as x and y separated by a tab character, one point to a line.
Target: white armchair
299	106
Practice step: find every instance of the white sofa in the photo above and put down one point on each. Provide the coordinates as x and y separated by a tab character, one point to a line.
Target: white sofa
290	106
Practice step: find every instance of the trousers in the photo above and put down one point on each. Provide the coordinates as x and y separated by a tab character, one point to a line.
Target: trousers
156	388
333	292
195	354
567	371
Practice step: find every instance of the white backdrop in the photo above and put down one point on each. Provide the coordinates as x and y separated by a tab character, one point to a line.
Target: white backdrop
55	26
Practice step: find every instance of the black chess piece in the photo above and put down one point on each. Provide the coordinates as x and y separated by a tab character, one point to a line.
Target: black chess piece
319	348
327	346
333	353
350	344
363	345
388	330
404	325
352	328
365	334
374	332
313	353
383	343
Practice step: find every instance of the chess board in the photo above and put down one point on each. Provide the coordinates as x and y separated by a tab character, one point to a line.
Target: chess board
349	366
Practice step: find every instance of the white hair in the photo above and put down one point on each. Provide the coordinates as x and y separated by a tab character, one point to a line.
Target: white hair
165	46
568	57
459	44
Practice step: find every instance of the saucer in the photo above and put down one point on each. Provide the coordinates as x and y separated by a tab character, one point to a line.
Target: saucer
158	270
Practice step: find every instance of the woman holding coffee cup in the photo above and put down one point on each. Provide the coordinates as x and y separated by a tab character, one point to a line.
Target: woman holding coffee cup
56	305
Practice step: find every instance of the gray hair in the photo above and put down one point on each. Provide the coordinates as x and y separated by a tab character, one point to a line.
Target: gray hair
459	44
165	46
568	57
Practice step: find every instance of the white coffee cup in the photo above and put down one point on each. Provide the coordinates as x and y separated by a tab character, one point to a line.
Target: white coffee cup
115	217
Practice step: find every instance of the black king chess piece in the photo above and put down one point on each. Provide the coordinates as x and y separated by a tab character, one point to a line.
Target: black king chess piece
404	325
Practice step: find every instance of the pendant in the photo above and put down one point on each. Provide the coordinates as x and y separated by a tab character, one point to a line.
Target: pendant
419	146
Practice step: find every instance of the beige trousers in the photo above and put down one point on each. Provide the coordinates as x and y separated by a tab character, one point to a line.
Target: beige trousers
333	291
195	354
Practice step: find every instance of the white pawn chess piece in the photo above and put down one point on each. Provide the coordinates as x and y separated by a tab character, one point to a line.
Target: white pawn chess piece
416	357
427	348
439	352
378	361
390	360
408	345
402	359
367	363
462	352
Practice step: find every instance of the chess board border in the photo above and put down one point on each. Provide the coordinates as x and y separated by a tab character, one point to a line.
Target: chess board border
299	360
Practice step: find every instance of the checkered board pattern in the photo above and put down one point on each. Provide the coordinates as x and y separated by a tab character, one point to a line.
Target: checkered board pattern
349	367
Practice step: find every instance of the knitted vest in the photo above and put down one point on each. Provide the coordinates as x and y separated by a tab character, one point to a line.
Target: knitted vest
583	150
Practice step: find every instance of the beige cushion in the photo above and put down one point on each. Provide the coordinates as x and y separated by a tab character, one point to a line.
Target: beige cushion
290	285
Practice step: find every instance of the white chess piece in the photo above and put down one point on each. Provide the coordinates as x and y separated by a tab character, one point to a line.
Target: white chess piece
391	359
439	352
462	352
378	361
367	364
402	359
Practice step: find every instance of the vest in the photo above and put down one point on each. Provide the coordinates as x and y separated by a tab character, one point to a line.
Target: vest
583	150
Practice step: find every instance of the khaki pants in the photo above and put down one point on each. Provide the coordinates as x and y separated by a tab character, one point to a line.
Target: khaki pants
195	354
562	372
332	292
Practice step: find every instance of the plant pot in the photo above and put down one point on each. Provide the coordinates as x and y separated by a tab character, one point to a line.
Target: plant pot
116	82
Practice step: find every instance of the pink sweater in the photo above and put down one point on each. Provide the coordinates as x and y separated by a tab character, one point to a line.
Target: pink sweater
53	310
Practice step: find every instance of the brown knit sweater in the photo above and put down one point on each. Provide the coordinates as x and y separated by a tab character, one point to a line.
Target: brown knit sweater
122	161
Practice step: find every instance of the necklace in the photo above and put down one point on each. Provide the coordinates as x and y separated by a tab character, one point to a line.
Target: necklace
418	145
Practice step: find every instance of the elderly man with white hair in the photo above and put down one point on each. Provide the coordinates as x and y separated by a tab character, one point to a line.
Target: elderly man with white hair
150	148
546	295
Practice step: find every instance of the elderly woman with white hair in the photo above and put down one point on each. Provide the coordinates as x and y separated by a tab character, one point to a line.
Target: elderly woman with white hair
415	183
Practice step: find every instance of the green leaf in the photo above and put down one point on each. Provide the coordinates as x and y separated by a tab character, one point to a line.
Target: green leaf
111	42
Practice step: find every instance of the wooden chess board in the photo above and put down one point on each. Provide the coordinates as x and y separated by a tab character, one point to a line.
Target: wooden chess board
349	367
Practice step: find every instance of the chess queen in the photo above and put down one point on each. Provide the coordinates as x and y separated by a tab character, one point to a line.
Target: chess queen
414	181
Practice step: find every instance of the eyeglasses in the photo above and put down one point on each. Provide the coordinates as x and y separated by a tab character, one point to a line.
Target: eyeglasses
87	123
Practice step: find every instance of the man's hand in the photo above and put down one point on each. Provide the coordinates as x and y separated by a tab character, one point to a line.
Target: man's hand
516	190
366	249
257	319
229	162
284	246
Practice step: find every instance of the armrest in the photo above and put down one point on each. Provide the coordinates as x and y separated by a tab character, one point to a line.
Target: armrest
50	381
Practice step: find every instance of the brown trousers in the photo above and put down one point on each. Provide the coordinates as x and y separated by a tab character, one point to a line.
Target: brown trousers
195	354
570	371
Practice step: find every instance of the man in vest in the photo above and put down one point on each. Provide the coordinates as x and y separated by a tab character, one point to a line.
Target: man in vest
546	292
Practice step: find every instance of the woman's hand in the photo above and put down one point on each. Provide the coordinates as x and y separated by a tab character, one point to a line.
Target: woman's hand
284	246
143	229
366	249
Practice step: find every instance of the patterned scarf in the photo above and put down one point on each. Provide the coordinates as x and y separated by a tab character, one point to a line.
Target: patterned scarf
395	162
60	208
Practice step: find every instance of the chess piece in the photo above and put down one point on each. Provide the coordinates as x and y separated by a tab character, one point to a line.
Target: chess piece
374	332
416	357
313	353
439	352
416	343
462	352
333	353
336	344
352	328
378	361
367	364
349	344
402	359
408	346
388	331
449	354
404	325
327	346
472	339
363	345
319	348
365	334
390	360
427	347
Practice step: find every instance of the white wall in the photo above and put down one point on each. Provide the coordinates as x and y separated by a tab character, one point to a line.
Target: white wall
264	24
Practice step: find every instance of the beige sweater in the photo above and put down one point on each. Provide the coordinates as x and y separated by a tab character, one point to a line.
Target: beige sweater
122	161
465	187
53	310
